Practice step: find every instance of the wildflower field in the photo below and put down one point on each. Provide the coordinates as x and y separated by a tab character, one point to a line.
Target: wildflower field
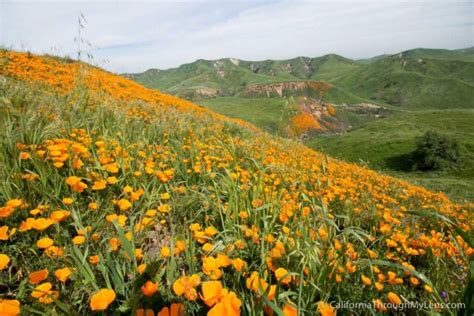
117	199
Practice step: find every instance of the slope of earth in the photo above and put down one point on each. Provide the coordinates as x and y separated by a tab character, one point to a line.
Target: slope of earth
463	54
121	199
413	82
386	144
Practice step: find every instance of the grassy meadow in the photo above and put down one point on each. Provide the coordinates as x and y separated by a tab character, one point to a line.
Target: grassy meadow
121	200
269	114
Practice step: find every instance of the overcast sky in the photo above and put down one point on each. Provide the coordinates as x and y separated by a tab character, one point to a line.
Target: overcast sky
135	36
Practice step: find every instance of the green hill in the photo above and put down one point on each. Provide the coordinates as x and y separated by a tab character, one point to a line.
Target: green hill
230	77
465	54
418	78
413	82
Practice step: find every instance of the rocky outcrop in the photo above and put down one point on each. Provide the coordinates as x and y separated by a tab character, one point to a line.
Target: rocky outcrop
278	88
365	109
207	92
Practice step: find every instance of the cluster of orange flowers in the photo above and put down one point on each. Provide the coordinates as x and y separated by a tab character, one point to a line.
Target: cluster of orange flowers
304	122
207	221
64	77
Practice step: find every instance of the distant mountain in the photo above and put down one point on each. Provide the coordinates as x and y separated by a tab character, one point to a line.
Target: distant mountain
418	78
229	76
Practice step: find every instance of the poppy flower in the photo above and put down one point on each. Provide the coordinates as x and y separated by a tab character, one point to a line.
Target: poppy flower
229	306
14	203
325	309
141	268
149	288
93	206
60	215
282	276
164	208
238	264
176	309
44	243
187	285
165	252
94	260
36	277
212	292
145	312
290	309
41	290
414	281
54	251
102	299
114	243
6	211
4	234
366	280
124	204
68	201
78	240
394	298
195	227
41	224
9	307
378	286
99	185
112	180
63	274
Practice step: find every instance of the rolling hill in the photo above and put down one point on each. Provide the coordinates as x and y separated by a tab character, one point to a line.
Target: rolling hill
411	81
230	77
414	79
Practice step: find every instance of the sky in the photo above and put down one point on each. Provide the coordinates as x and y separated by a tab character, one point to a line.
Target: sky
132	36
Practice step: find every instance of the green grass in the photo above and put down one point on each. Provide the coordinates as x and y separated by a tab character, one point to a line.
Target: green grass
268	114
384	143
410	84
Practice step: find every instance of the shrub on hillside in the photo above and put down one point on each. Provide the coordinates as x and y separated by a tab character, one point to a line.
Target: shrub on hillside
435	151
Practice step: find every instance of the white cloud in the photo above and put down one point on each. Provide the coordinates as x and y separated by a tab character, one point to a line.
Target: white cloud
135	36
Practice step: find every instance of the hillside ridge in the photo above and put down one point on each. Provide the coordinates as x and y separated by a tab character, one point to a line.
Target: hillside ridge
392	82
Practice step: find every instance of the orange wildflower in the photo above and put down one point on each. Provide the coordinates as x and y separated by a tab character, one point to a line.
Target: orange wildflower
63	274
9	307
325	309
102	299
212	292
36	277
149	288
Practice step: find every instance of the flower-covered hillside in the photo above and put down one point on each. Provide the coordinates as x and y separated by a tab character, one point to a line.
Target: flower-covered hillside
120	199
64	76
